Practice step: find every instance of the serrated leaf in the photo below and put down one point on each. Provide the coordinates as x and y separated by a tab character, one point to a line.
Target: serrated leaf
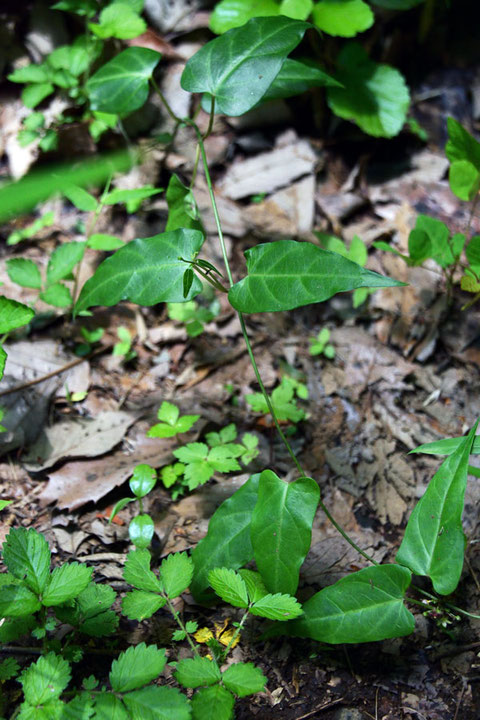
141	530
8	669
80	708
137	571
176	572
434	542
65	583
198	473
63	260
118	20
345	18
18	601
182	207
364	606
121	85
27	555
230	586
227	543
146	271
45	679
171	424
13	315
244	679
374	96
216	697
287	274
297	77
464	179
82	199
95	599
57	295
110	707
137	666
461	145
157	703
104	623
24	272
139	604
277	607
238	67
143	480
255	586
197	671
281	529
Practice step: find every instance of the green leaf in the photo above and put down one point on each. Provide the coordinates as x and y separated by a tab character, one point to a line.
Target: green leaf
397	4
281	529
27	556
100	241
13	315
447	446
364	606
277	607
110	707
25	137
197	671
297	9
80	708
464	179
138	604
119	505
14	628
141	530
30	74
82	199
137	571
238	68
136	195
32	95
9	668
171	424
227	543
344	18
255	586
461	145
146	271
244	679
176	572
57	295
65	583
157	703
434	542
230	586
137	666
18	601
143	480
472	251
24	272
216	697
118	20
45	679
286	274
374	96
296	78
182	207
229	14
93	605
121	85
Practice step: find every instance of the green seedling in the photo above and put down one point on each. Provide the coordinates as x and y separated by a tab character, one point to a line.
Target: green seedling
91	337
320	345
193	315
284	401
357	253
31	230
142	527
123	348
171	423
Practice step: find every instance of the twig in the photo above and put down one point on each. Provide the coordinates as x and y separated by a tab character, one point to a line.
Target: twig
319	708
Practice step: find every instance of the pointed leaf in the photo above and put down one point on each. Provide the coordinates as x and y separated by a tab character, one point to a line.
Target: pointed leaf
82	199
461	144
255	586
17	601
137	666
110	707
101	241
244	679
126	196
157	703
364	606
138	604
65	583
63	260
238	68
197	671
296	78
146	271
95	600
137	571
447	446
229	585
182	207
121	85
216	697
45	679
286	274
24	272
434	542
13	315
27	555
281	529
57	295
227	543
277	607
176	573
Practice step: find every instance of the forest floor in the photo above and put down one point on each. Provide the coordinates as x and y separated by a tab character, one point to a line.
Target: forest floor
405	372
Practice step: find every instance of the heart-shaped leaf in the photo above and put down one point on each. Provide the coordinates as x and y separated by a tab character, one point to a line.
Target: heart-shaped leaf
287	274
145	271
238	68
121	85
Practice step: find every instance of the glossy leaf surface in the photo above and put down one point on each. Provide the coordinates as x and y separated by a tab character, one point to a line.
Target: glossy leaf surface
297	77
281	529
121	85
362	607
434	542
227	542
141	530
238	67
447	446
146	271
287	274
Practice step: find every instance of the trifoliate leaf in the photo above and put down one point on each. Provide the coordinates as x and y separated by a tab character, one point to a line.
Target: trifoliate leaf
197	671
176	573
137	571
213	697
229	585
45	679
277	607
27	555
244	679
137	666
66	582
138	604
171	424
